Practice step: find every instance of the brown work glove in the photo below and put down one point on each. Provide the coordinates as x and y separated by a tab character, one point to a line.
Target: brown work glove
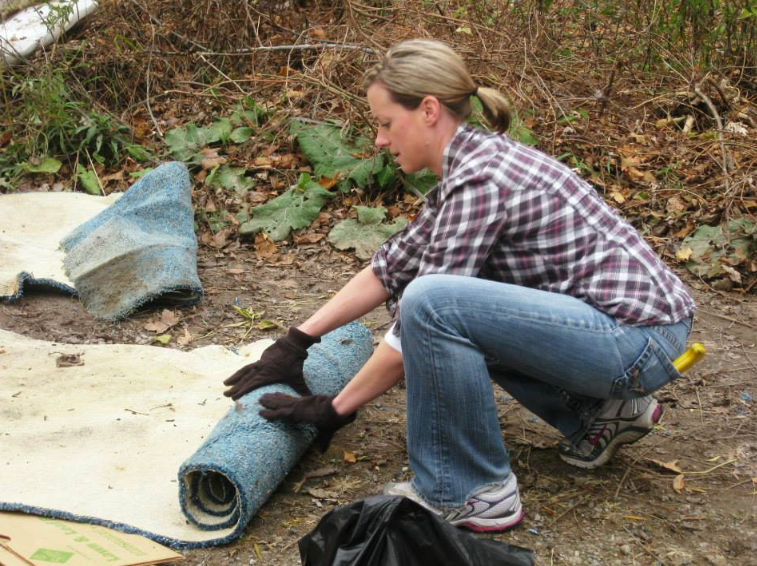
316	410
281	362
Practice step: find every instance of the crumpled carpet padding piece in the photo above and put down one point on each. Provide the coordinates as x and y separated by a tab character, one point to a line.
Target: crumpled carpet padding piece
141	248
31	228
138	435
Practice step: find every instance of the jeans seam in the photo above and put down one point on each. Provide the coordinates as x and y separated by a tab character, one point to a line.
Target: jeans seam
602	328
440	446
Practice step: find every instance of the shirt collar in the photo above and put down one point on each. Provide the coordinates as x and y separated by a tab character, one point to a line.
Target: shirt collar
462	134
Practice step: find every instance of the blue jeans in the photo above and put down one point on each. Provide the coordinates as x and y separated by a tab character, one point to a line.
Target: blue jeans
558	356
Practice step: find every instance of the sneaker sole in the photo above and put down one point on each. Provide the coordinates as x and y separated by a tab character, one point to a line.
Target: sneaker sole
628	436
490	525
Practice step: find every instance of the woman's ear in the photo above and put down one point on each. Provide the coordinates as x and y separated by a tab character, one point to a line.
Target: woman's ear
432	109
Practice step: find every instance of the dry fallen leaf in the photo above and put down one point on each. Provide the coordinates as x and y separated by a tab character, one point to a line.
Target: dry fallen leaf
678	483
184	339
321	493
264	246
285	161
676	204
638	138
328	182
169	318
220	239
262	161
117	176
156	326
671	466
287	259
684	253
733	275
349	457
256	198
162	339
686	230
618	197
310	238
212	162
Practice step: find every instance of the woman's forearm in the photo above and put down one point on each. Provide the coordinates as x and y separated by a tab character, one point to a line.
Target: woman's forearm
359	296
379	374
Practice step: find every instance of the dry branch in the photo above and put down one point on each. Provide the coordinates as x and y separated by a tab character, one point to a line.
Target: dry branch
719	124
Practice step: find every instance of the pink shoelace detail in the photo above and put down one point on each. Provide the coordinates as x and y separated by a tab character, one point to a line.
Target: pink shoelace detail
593	441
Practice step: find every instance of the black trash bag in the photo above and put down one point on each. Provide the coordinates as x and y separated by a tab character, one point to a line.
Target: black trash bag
387	530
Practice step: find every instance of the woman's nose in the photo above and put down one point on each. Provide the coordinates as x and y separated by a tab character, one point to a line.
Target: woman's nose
381	141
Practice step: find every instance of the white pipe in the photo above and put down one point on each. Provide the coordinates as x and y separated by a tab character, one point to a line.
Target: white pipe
39	26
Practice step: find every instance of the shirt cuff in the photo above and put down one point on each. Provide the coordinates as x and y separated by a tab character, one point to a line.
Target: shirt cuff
393	340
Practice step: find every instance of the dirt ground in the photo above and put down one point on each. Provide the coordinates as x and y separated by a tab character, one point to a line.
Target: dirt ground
629	512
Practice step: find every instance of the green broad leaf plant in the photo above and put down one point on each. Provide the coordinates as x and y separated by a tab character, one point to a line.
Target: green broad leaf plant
231	178
366	233
332	156
726	250
294	209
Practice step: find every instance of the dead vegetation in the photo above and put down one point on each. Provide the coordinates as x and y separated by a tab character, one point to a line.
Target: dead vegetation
663	129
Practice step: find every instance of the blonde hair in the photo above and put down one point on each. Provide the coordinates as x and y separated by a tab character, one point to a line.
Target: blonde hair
417	68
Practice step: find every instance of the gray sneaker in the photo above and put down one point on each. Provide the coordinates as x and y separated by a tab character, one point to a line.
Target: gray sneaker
619	422
493	508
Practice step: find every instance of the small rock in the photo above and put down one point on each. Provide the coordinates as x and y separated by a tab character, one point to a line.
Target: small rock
626	549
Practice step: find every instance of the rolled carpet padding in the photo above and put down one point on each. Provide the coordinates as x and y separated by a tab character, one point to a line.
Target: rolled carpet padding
96	433
245	457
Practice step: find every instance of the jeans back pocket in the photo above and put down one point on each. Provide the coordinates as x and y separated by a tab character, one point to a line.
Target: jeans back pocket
652	370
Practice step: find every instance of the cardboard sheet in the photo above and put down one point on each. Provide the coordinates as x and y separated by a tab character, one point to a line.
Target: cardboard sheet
29	540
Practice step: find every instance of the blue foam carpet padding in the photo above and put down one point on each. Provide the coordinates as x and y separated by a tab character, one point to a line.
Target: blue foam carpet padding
141	248
27	281
245	457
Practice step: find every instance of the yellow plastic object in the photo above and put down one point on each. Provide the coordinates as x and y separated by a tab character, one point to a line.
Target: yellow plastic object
692	355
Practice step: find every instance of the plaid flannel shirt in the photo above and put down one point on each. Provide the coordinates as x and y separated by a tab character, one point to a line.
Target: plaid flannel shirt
507	212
